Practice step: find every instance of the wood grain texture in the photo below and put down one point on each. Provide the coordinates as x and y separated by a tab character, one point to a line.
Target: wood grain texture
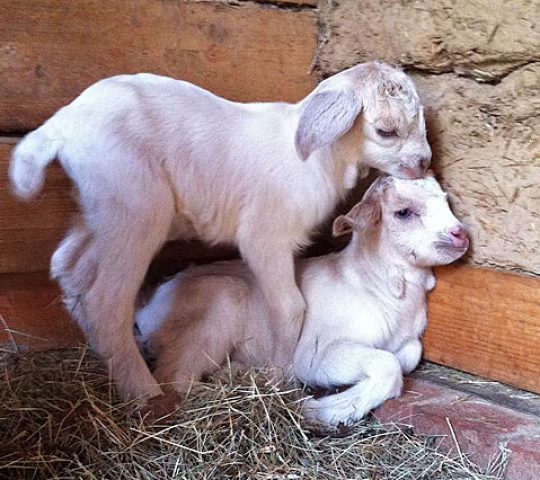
29	232
32	315
486	322
51	50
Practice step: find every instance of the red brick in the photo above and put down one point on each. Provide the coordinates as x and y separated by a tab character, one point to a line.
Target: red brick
415	392
524	463
481	428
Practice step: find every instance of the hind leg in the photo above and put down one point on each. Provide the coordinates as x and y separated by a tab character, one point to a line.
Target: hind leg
183	363
192	346
125	224
124	254
74	266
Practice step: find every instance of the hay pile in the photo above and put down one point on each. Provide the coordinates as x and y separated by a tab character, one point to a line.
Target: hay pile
60	419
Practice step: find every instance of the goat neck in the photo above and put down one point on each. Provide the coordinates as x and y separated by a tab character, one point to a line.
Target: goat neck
368	257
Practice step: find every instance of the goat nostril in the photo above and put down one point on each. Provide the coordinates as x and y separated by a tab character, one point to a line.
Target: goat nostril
459	234
423	164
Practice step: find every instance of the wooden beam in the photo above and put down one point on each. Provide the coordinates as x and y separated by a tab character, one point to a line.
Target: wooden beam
51	50
486	322
32	315
29	232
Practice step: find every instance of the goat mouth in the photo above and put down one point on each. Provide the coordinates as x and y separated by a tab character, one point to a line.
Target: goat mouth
449	246
410	172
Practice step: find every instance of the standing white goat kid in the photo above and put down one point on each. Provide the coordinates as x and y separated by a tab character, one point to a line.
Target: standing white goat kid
366	306
156	159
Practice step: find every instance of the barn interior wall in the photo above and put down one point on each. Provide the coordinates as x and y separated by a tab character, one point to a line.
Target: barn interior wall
477	67
476	64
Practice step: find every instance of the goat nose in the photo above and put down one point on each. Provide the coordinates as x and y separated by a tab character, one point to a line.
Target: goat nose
423	163
459	235
414	169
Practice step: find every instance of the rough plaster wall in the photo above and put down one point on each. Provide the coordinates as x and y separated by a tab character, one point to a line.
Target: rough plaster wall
477	67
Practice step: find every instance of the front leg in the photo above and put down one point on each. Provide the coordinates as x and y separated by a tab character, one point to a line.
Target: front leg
374	375
409	355
272	263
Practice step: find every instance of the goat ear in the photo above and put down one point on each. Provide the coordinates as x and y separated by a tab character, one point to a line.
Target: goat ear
326	116
361	217
341	226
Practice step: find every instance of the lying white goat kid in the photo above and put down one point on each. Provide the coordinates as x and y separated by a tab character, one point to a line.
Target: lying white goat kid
366	306
156	159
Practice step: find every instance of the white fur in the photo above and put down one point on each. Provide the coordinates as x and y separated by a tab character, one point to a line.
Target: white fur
366	307
156	159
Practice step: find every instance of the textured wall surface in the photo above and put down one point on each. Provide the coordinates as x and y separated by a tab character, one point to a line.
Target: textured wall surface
477	67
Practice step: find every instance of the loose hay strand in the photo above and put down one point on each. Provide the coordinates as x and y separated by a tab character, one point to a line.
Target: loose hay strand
60	419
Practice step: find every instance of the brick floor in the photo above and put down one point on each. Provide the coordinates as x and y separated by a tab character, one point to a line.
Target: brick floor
478	427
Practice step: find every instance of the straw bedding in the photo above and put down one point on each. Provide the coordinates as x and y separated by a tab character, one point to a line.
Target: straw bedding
61	419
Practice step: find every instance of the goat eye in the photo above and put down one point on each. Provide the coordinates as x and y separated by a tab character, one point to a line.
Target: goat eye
386	133
405	213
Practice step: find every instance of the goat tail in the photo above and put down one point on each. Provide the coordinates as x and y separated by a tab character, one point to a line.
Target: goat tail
29	160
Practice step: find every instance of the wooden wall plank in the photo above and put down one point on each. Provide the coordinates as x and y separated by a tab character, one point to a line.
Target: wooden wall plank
29	232
32	315
51	50
486	322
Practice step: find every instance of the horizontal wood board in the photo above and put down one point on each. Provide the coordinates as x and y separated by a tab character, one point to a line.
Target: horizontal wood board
29	232
486	322
32	315
52	50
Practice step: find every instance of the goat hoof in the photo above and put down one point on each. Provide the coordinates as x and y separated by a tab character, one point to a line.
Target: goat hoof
160	409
